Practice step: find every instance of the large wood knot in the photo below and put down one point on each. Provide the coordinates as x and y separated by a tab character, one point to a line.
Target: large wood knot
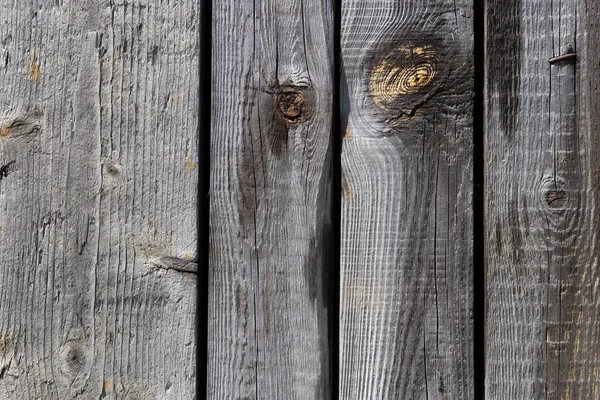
406	71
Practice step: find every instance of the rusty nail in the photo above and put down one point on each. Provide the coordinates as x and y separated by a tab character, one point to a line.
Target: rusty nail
567	56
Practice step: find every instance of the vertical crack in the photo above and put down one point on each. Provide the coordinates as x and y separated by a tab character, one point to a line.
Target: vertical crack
203	203
479	230
337	134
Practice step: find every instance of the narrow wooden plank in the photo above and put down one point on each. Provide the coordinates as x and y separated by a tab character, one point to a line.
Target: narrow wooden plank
542	193
98	142
406	234
270	195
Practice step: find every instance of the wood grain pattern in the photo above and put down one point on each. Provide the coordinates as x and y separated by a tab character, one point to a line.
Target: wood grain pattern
270	192
406	244
98	143
542	193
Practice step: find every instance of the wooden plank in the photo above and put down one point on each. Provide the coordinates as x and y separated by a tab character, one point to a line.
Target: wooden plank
98	142
542	193
406	233
270	196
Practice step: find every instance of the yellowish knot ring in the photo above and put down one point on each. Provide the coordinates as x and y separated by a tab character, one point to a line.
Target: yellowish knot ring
407	74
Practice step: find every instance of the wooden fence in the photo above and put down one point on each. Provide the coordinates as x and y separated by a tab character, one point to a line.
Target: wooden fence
299	199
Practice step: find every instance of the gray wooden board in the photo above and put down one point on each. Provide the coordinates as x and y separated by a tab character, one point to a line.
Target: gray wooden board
270	191
543	125
406	235
98	146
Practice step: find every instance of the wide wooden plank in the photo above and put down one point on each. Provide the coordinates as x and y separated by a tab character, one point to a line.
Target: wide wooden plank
270	190
406	225
543	120
98	146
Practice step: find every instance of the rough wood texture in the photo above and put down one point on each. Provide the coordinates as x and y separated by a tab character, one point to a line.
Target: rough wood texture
542	190
270	199
98	142
406	245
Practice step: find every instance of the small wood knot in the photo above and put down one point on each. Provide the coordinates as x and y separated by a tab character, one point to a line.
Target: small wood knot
555	197
291	105
113	168
556	200
74	358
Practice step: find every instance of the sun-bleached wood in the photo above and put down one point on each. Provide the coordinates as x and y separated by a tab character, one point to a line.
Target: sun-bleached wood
406	223
542	130
98	146
270	189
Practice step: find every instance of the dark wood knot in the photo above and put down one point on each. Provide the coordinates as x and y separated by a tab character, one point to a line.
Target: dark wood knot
291	105
6	169
555	199
112	168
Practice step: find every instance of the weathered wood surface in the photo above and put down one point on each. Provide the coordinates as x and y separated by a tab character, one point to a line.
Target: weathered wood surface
543	122
98	142
270	199
406	233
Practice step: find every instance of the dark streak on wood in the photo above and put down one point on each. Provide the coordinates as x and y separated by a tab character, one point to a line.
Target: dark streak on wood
516	240
504	63
591	11
274	125
3	371
311	270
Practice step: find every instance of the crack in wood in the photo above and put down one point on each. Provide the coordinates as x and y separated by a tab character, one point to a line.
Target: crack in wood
175	264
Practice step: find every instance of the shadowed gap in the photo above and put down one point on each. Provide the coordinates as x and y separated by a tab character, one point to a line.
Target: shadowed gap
204	130
337	137
479	267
